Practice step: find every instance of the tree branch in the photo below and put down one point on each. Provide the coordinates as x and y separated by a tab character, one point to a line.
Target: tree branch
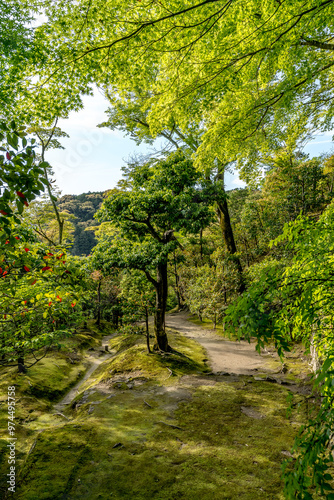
152	280
318	45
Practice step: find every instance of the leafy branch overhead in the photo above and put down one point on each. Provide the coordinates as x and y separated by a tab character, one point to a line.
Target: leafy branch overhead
22	177
250	83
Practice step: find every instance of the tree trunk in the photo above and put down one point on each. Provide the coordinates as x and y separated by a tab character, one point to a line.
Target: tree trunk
147	331
98	322
228	237
177	290
226	229
20	365
160	310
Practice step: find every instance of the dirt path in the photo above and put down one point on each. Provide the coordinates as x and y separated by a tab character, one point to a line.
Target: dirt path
94	361
224	355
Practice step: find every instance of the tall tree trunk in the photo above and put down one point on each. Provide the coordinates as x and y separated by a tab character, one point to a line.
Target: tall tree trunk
147	330
228	237
226	229
177	290
98	322
160	310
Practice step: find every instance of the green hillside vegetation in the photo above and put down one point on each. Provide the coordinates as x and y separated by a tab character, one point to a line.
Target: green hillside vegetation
83	207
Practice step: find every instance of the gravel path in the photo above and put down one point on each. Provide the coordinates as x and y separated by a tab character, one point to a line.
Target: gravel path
224	355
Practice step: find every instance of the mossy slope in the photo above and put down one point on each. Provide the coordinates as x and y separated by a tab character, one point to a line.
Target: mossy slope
159	427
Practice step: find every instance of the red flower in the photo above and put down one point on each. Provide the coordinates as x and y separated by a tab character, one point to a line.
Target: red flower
20	194
46	268
50	253
73	304
59	298
50	304
26	203
26	269
3	212
16	237
8	156
4	273
24	302
33	282
6	242
27	249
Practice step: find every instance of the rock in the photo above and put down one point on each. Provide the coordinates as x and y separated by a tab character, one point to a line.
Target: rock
250	412
287	453
118	445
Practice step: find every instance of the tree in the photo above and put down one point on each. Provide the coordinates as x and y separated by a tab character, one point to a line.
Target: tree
21	177
40	216
249	83
48	139
293	300
39	300
159	198
17	51
139	297
129	113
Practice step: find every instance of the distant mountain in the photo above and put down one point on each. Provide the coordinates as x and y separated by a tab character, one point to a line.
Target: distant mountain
83	206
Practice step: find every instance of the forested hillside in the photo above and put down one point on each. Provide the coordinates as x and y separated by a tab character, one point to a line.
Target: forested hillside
167	338
83	207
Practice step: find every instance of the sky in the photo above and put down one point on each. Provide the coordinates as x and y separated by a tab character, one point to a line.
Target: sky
93	157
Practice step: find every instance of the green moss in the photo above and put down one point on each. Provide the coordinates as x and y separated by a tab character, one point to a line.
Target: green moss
187	357
157	426
126	449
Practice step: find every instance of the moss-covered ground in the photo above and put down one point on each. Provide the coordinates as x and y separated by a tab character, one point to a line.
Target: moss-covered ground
150	426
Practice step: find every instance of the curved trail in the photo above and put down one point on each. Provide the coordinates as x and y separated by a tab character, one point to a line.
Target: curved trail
224	355
94	361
